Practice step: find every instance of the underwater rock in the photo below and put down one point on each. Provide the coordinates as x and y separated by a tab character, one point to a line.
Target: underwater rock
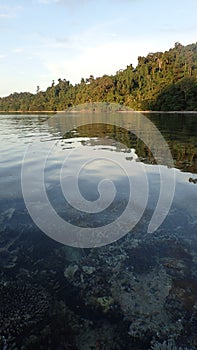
88	269
6	215
70	271
105	302
72	254
194	181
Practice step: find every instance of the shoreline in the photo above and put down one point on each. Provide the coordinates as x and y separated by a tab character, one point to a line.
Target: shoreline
84	111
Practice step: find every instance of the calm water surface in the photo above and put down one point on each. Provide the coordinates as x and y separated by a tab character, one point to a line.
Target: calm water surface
19	132
93	297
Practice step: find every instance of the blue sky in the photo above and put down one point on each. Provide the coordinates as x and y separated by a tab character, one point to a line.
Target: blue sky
42	40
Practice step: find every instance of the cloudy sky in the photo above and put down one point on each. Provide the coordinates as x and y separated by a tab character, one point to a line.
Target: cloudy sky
42	40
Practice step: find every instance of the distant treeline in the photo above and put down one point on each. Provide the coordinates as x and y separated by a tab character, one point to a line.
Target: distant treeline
161	81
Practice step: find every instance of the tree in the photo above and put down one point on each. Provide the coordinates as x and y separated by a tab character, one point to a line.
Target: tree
162	80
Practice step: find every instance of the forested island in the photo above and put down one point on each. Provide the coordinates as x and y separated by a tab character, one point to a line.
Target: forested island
162	81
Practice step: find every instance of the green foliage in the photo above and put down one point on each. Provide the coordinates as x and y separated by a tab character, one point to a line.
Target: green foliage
161	81
180	96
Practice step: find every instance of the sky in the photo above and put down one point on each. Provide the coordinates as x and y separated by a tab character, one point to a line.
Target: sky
42	40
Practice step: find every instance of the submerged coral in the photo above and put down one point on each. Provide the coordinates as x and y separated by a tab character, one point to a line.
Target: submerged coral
21	307
105	302
132	294
167	345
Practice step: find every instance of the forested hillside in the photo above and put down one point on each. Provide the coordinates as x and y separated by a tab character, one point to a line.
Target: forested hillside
161	81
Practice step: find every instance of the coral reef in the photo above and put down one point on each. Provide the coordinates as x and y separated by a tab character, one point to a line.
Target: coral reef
21	307
167	345
132	294
70	271
139	280
105	302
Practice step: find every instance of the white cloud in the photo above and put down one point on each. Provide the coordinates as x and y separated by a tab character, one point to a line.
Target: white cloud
7	12
99	60
81	57
71	2
81	2
5	15
75	3
47	2
18	50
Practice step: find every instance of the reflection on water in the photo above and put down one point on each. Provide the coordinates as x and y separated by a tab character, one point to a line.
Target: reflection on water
136	293
179	130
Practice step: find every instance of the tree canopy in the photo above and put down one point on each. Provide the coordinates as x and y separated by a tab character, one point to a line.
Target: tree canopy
161	81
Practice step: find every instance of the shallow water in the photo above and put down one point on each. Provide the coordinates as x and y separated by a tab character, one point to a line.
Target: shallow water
97	289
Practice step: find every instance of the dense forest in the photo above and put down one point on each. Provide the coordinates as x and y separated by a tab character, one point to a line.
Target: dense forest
161	81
